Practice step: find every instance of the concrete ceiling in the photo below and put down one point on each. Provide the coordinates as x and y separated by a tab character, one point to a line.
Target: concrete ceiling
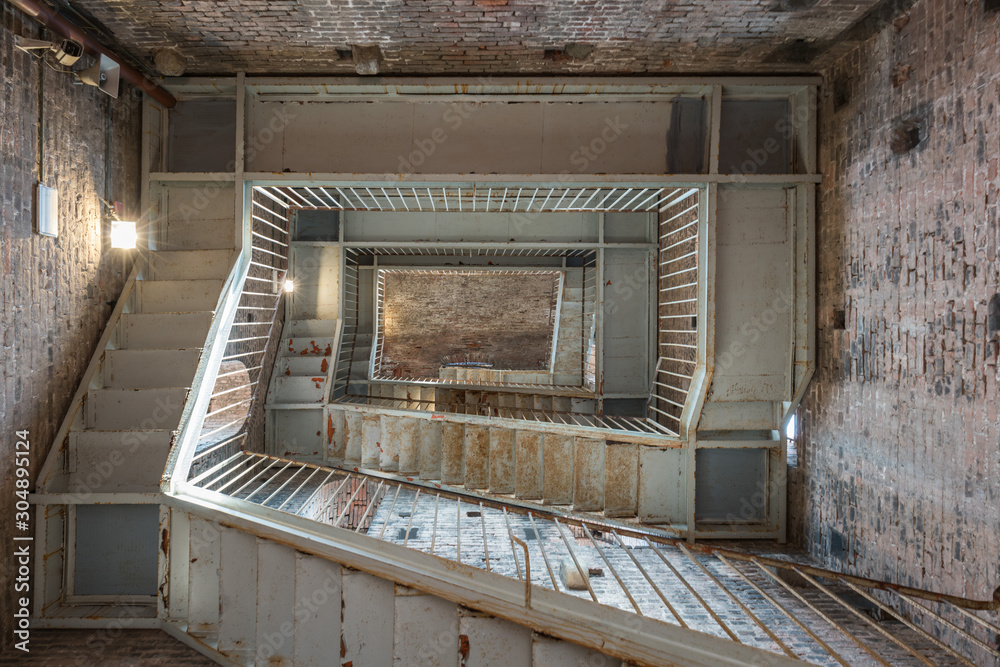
495	36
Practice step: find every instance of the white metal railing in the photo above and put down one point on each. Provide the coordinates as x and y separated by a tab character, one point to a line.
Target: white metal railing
740	597
231	381
473	198
677	308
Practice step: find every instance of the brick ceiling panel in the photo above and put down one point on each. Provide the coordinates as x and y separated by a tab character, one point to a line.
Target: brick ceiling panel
496	36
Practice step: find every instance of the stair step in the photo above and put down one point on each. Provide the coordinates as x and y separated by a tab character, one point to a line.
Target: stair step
178	296
310	328
319	346
200	234
308	365
502	460
147	409
147	369
165	331
190	264
117	461
298	389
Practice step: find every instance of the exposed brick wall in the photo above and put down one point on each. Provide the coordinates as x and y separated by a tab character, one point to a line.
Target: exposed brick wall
506	318
900	451
54	293
495	36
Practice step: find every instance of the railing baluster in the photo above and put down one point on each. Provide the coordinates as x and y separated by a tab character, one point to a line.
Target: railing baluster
864	617
614	572
371	503
583	575
510	535
732	596
409	524
687	585
486	546
867	649
826	647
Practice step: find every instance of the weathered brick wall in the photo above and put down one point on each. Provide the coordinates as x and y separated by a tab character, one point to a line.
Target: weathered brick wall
494	36
900	450
506	318
54	293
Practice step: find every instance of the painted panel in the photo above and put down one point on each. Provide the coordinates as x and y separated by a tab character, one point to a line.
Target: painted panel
627	352
557	469
426	632
588	475
317	610
621	479
731	485
528	477
754	302
116	550
237	592
472	225
316	272
662	485
549	652
367	626
485	639
391	136
605	138
275	604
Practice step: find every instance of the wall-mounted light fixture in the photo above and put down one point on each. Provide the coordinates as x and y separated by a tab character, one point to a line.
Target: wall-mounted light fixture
289	285
48	211
123	234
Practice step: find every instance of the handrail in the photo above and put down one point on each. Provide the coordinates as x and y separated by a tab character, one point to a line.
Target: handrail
717	578
199	396
96	361
331	369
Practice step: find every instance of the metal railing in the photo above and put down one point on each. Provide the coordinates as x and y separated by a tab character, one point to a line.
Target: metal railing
677	290
633	425
771	603
475	197
233	421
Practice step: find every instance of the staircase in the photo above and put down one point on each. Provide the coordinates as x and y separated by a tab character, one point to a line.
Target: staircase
584	474
247	600
300	386
713	606
135	404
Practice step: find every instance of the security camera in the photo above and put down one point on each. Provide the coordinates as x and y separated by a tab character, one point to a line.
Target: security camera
66	52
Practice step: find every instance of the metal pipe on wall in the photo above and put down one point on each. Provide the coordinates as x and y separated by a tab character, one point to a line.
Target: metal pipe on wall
50	18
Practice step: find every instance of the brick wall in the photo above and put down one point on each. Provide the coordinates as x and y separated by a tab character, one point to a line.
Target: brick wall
505	318
54	293
494	36
900	448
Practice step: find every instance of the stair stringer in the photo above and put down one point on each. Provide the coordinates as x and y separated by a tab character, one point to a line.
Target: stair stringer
612	632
